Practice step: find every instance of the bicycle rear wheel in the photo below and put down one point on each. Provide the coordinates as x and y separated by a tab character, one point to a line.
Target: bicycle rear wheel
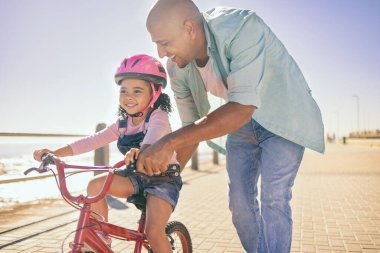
179	237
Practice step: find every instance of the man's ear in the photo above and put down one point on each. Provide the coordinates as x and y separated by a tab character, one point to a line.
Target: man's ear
189	28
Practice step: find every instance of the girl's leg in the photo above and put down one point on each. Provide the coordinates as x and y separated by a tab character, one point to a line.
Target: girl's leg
158	213
121	187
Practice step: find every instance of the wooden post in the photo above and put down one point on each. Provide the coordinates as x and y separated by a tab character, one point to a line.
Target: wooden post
215	157
101	155
194	160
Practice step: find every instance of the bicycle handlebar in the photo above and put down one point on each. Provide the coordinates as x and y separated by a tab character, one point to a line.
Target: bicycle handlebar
46	160
130	170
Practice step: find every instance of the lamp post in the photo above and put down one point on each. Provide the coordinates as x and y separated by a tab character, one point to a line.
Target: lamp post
337	125
357	111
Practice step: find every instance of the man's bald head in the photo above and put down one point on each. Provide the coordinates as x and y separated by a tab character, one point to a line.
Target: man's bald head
176	26
173	13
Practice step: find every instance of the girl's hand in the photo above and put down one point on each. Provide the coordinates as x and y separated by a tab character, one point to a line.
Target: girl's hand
131	156
37	154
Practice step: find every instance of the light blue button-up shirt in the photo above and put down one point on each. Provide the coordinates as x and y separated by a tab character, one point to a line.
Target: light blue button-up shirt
258	71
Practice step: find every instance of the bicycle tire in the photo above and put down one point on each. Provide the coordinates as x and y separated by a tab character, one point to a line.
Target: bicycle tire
179	237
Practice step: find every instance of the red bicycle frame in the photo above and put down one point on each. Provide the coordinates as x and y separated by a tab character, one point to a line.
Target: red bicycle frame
88	225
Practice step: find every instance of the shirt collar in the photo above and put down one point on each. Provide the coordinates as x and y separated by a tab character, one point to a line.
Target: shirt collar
207	34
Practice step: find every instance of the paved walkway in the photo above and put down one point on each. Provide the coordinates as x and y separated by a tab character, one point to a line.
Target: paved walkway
336	208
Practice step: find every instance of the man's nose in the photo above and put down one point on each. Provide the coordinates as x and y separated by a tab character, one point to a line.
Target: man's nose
161	51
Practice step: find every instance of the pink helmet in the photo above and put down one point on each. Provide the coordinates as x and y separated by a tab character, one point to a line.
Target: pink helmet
143	67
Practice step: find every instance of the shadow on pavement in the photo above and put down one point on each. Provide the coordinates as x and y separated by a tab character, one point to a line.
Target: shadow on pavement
115	203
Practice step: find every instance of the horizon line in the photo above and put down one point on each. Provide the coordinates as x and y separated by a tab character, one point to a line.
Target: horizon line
39	135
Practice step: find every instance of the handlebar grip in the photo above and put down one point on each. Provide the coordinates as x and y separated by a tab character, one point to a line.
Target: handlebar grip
130	170
46	158
44	155
29	170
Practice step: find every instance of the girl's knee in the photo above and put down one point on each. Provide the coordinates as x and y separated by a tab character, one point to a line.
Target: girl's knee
95	185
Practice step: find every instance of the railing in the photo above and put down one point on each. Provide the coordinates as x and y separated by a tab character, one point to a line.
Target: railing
101	158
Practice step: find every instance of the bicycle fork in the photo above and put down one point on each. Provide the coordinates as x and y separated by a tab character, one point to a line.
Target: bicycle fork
86	233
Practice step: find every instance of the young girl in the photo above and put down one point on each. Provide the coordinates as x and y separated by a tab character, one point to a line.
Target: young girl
143	119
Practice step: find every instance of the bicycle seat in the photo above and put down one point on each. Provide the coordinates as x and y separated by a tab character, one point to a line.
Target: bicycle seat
139	200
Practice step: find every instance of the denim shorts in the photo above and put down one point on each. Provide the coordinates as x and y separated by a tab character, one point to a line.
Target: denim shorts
168	191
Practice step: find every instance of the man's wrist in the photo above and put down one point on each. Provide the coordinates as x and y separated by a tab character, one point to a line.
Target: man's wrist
169	142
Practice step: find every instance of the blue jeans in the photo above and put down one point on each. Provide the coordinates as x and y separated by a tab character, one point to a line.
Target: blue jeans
253	151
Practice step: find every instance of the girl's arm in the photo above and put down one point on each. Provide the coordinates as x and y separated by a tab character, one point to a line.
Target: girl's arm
97	140
64	151
83	145
60	152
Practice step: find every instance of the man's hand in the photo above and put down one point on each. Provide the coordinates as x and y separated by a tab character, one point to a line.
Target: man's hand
155	159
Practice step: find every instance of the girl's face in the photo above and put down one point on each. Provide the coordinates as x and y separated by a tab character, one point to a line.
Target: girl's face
135	95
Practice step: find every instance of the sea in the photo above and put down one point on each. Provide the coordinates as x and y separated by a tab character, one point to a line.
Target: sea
16	156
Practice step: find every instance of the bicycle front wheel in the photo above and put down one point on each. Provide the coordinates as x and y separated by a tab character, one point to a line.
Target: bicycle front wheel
179	237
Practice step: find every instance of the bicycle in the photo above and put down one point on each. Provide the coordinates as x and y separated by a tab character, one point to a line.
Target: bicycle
87	225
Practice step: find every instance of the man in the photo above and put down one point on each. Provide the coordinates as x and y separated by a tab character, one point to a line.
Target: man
269	114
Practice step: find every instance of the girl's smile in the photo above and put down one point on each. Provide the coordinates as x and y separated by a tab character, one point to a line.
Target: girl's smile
135	95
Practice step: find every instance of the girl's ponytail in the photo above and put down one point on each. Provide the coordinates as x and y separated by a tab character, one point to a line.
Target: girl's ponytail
163	102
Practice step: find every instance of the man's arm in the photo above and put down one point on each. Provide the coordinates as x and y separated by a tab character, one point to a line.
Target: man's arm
184	155
223	120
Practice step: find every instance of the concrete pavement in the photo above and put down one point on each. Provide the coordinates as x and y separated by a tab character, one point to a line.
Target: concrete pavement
336	208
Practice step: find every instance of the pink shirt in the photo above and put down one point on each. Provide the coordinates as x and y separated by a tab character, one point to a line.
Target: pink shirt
158	126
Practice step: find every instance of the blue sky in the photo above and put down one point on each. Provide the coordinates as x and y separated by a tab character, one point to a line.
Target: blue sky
57	58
